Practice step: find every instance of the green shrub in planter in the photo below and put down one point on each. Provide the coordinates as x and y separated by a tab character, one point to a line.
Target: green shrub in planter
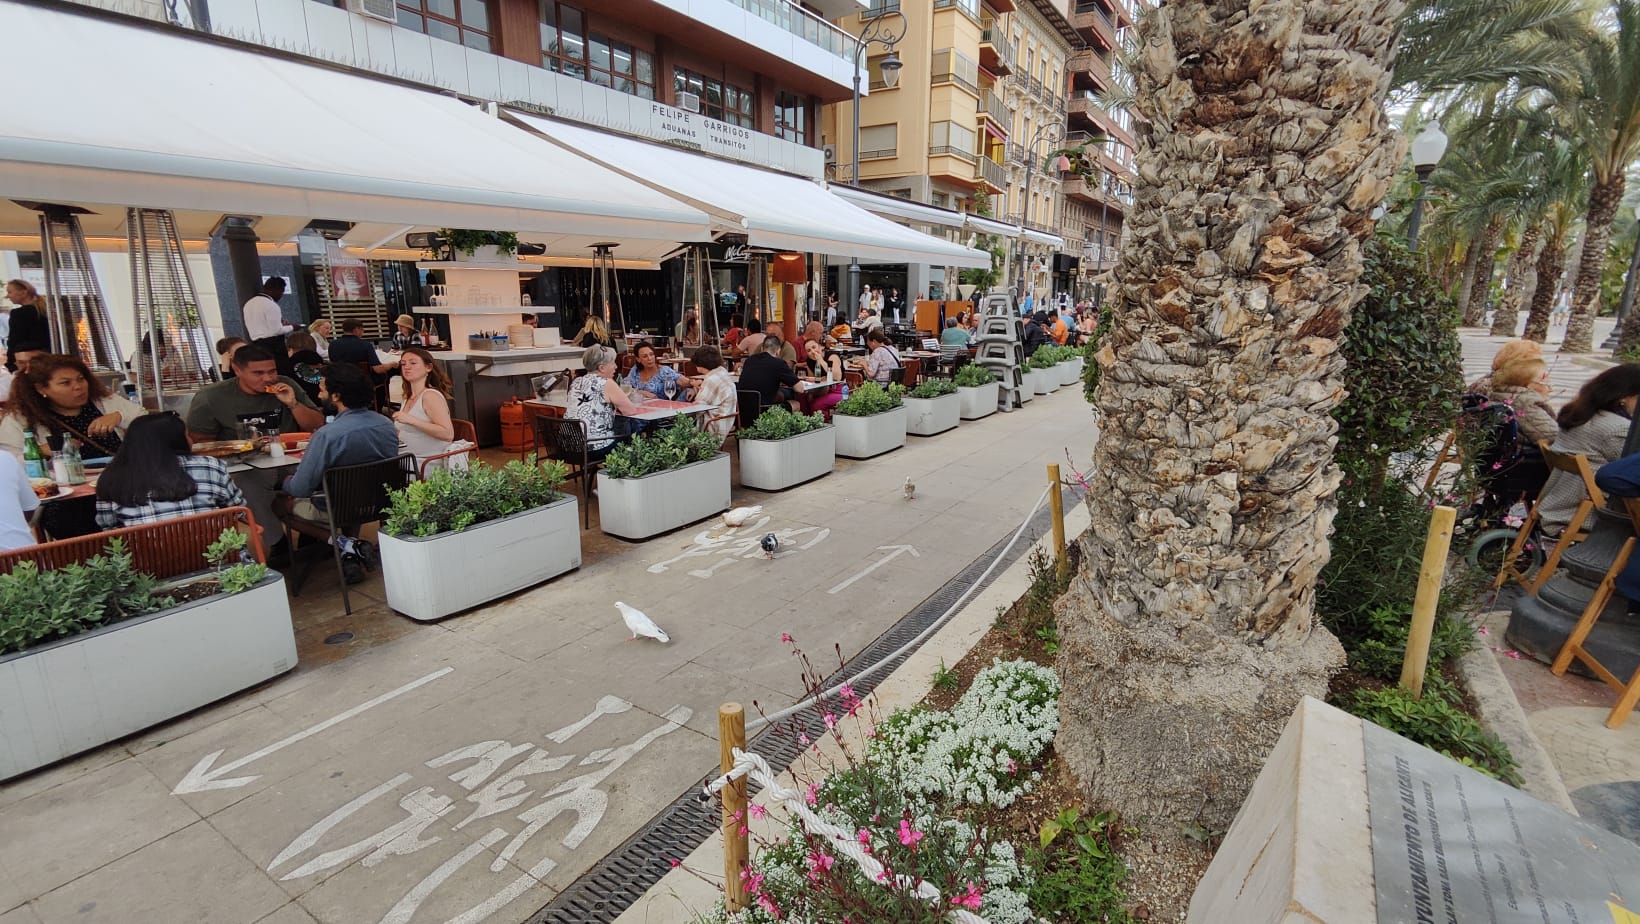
39	606
454	500
933	388
870	398
468	241
973	376
1045	357
778	423
673	447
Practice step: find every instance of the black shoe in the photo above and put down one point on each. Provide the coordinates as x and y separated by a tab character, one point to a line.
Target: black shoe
352	569
367	553
279	555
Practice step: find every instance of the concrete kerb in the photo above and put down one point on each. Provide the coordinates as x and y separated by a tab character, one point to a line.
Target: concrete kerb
682	894
1500	713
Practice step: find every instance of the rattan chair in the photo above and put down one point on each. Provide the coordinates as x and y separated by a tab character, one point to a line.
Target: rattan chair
354	495
167	549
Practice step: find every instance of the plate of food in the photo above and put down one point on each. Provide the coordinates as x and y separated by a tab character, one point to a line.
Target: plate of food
46	489
222	448
294	442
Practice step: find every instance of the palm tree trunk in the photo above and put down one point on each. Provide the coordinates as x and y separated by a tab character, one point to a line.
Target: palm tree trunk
1465	282
1190	634
1521	276
1604	200
1549	270
1480	278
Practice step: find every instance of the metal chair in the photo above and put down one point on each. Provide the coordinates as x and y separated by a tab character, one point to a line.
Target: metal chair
566	439
464	430
748	406
354	495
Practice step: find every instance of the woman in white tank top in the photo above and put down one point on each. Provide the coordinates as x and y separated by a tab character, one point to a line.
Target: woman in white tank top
424	419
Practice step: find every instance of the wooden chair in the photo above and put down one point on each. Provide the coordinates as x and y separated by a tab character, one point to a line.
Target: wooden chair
1574	464
1628	693
566	439
913	373
464	431
354	495
167	549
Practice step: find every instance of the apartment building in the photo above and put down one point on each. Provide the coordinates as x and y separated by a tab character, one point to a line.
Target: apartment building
1099	193
1036	97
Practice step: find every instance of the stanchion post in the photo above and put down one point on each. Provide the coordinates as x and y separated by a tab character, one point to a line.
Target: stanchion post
731	735
1061	559
1430	576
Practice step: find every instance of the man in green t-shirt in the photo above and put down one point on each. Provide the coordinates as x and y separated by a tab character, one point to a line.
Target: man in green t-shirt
257	396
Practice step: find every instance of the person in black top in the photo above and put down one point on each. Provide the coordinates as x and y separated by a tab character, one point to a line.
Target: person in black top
768	375
305	363
1036	334
30	330
350	348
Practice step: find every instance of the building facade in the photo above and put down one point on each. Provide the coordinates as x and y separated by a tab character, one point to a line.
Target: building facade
1099	191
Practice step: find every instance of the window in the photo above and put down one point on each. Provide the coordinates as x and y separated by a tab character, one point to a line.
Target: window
952	66
791	117
465	22
570	49
879	141
718	100
954	139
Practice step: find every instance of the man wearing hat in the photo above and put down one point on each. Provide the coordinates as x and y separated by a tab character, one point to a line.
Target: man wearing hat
404	333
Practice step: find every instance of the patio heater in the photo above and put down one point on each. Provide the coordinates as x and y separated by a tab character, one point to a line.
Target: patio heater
704	294
78	314
606	284
174	356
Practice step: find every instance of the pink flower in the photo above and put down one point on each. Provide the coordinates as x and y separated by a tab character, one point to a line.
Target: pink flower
767	904
1512	653
812	797
675	862
864	837
786	637
1012	767
1483	630
831	720
803	738
969	899
758	811
754	881
846	692
909	836
819	863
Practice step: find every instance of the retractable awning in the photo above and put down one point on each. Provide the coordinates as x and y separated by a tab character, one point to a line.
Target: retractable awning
772	209
880	204
989	226
1040	237
204	126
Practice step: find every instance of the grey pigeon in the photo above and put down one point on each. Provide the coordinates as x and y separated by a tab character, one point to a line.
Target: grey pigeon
770	544
910	489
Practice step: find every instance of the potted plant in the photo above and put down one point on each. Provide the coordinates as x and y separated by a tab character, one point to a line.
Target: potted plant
1043	377
94	651
479	246
660	481
977	389
506	529
781	449
870	421
932	407
1069	366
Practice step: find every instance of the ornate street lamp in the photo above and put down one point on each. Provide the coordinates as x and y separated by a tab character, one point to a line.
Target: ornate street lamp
881	31
1051	131
1427	149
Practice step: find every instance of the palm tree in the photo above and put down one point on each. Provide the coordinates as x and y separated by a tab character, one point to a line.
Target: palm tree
1602	111
1520	276
1263	149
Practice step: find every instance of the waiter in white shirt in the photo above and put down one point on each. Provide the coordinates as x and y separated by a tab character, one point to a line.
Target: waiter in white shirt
264	326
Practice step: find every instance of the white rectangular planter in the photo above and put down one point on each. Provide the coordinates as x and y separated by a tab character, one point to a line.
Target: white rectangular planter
928	416
978	400
1070	371
1044	381
637	508
773	465
864	437
495	559
72	695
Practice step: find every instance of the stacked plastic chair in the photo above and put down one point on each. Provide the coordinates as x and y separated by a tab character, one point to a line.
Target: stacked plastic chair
1000	348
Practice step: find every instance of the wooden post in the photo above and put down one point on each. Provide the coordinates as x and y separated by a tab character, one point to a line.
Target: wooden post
1061	559
1423	605
731	735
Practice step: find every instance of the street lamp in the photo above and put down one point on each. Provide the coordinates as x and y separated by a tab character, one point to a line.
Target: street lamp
1626	303
881	31
1427	149
1052	131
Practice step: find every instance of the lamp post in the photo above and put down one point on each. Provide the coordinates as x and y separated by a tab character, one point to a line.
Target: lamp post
1630	283
1427	149
881	31
1052	131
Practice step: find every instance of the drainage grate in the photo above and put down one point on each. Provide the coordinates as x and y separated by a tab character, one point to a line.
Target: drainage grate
614	883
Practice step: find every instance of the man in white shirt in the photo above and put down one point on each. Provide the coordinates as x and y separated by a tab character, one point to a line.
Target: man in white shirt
16	501
264	325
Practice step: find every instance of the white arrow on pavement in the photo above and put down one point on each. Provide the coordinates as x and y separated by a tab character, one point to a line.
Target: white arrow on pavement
894	551
202	777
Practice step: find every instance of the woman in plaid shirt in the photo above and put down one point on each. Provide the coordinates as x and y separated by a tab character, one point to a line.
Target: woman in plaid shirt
156	477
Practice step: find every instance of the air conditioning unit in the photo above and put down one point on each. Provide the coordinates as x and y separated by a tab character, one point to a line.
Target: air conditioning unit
831	153
689	102
375	9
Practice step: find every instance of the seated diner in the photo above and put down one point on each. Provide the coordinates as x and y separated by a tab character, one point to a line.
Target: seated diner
155	476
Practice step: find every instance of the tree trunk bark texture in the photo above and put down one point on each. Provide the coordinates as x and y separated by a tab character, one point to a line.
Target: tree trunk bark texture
1521	276
1549	270
1604	200
1190	635
1480	280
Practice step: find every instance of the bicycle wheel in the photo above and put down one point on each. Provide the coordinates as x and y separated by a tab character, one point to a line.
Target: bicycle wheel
1487	552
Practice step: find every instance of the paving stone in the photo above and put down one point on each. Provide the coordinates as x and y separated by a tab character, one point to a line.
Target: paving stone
290	914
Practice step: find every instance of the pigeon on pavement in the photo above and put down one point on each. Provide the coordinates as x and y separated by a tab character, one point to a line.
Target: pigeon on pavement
909	489
639	624
739	515
770	543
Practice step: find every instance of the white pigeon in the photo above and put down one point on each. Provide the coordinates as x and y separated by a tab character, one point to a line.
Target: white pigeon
909	489
639	624
740	515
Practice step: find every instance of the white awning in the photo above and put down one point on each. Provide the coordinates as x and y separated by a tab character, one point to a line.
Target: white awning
1039	237
121	115
880	204
991	226
772	209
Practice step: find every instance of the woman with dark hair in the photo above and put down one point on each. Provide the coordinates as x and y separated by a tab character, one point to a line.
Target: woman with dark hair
155	477
61	398
652	378
1594	424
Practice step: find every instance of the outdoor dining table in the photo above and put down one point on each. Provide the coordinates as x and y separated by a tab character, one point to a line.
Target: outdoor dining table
649	410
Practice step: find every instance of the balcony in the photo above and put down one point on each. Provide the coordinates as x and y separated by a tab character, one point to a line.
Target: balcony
800	22
1090	62
991	173
1089	16
1016	153
992	108
969	8
995	54
1083	190
1087	115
